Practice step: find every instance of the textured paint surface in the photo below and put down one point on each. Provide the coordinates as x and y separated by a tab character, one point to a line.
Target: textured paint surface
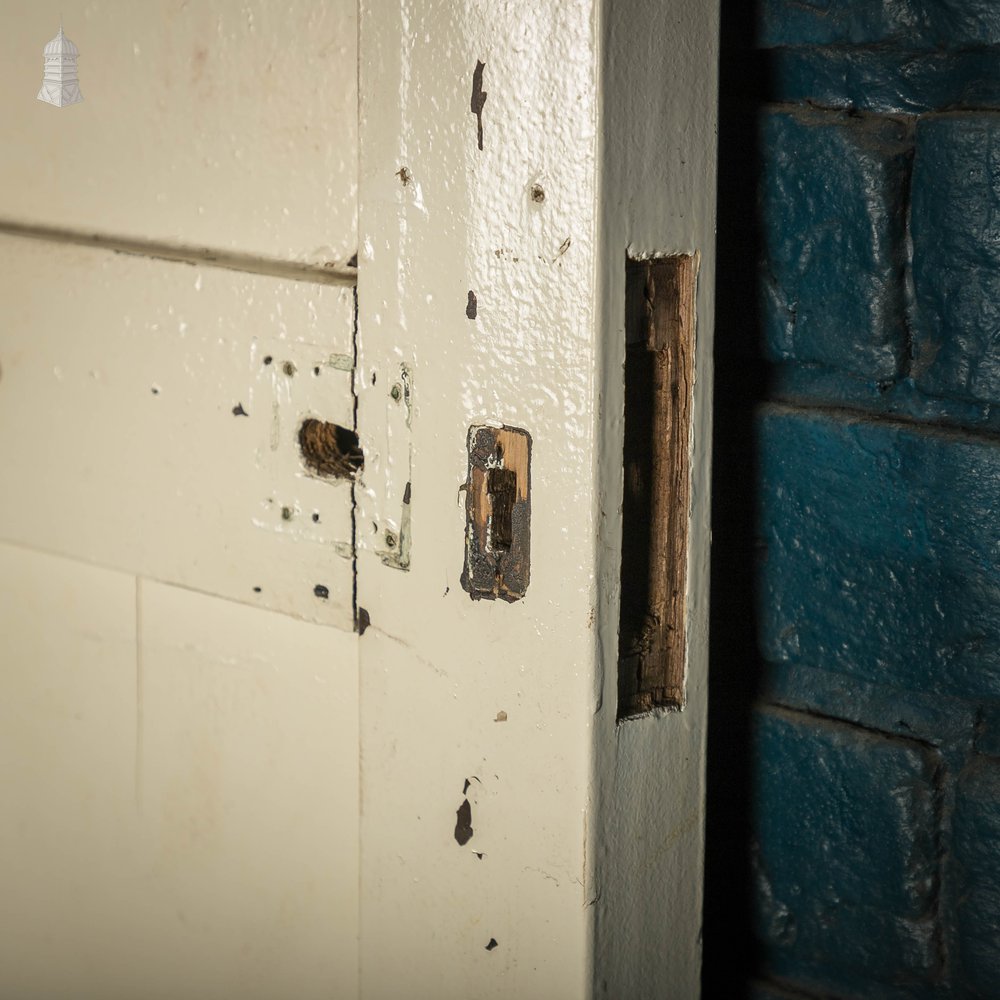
884	80
916	24
832	198
875	804
437	668
846	895
501	715
869	532
977	833
120	380
207	124
956	256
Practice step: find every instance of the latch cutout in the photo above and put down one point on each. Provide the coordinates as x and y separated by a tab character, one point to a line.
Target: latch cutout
659	380
498	513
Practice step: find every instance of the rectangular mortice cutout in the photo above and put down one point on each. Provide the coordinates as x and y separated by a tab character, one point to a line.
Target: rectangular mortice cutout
659	378
498	513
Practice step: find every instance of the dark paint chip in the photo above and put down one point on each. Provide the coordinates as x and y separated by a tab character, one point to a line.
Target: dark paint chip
473	305
320	591
364	620
238	411
463	825
492	944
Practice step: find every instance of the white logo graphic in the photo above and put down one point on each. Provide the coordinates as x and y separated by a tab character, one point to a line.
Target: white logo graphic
60	85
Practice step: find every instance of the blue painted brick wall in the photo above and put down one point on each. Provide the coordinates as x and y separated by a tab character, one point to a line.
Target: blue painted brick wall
833	202
846	895
876	816
881	555
905	24
977	834
956	255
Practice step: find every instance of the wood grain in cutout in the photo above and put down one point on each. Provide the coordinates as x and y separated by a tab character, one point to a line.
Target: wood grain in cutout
498	514
659	378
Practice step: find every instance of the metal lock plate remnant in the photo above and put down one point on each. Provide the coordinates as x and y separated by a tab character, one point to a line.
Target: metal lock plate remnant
498	513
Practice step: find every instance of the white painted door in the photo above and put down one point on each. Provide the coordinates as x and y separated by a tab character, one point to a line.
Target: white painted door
215	785
178	688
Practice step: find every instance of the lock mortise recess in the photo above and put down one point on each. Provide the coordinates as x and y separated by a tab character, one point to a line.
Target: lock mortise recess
659	381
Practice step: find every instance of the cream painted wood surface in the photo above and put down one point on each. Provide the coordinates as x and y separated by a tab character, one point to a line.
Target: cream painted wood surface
222	792
204	123
178	667
510	158
179	776
438	670
119	379
657	167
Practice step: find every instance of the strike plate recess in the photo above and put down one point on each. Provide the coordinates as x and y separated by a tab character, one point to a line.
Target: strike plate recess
498	514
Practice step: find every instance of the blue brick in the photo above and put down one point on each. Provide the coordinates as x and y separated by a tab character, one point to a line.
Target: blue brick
976	832
833	212
838	22
931	718
956	256
906	24
881	552
845	856
988	729
884	80
775	991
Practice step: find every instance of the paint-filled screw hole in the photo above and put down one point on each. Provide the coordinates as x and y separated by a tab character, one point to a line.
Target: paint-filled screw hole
390	539
268	359
329	449
492	944
289	369
315	517
396	392
323	593
537	193
316	370
286	513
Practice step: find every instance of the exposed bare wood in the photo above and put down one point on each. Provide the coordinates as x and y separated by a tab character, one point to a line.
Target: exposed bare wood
659	377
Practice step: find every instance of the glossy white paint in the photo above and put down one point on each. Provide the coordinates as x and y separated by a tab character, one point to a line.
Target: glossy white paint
208	123
118	379
437	668
179	778
204	753
590	834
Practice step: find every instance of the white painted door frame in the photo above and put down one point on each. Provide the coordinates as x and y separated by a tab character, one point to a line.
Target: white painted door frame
516	840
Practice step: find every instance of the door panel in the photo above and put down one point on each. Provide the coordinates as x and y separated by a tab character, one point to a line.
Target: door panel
67	766
120	378
213	124
180	786
248	801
